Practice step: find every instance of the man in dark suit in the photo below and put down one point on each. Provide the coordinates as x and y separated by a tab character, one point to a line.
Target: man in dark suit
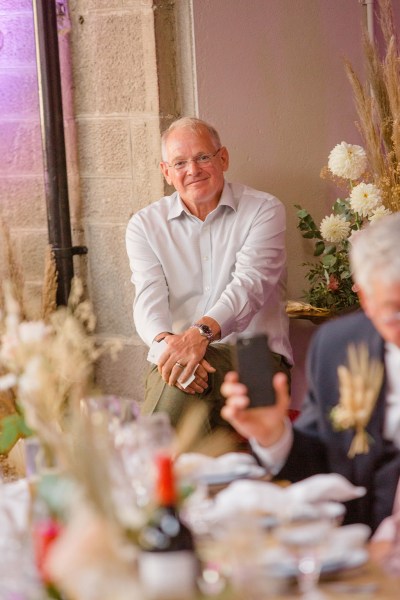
313	445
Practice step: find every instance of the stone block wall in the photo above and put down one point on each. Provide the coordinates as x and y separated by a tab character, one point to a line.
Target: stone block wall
111	103
22	201
116	109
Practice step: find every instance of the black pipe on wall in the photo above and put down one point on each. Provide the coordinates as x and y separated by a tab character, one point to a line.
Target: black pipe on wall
53	142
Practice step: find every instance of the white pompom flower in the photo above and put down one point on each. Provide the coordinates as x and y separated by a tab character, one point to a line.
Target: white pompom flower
365	198
378	213
347	160
334	228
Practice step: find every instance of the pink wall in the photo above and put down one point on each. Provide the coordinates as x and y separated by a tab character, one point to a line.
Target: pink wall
22	200
270	76
20	141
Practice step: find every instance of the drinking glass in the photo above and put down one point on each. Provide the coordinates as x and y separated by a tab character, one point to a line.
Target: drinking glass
116	410
138	442
236	551
18	575
306	536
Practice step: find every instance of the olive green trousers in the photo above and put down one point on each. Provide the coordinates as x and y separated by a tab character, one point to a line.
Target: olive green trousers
159	396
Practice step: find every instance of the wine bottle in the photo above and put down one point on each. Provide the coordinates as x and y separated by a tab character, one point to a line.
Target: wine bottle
168	567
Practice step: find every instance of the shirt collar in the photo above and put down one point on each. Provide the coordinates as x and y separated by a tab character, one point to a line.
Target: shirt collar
392	350
177	206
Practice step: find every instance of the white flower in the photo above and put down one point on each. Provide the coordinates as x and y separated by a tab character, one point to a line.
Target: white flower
9	348
334	229
365	198
8	381
347	160
378	213
32	331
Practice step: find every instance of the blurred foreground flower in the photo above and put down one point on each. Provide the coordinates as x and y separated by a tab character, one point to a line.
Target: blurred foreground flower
48	366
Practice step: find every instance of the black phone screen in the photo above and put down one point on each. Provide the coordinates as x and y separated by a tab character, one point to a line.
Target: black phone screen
256	368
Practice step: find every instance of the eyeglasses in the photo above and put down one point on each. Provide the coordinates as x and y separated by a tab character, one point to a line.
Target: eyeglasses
201	160
390	319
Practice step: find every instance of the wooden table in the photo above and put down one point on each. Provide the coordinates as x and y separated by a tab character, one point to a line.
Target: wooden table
366	582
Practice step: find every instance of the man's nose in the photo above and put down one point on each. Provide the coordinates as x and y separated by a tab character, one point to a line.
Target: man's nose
192	166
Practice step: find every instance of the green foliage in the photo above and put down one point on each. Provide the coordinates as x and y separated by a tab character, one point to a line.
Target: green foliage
12	428
329	278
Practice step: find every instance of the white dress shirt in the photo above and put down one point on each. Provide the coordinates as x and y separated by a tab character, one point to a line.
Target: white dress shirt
231	267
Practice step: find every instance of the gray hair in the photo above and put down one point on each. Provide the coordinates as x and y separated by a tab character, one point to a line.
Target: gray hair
194	125
375	251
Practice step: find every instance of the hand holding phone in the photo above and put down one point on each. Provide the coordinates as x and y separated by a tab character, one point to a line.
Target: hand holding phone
255	365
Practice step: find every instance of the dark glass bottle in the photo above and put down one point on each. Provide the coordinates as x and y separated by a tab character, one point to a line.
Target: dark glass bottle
168	566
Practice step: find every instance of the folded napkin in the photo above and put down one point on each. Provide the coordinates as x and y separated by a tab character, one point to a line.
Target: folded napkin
194	464
14	507
260	496
343	545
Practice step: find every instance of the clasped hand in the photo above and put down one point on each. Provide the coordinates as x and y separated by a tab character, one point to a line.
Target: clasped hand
184	355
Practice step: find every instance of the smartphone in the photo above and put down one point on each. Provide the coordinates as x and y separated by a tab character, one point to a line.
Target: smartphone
255	365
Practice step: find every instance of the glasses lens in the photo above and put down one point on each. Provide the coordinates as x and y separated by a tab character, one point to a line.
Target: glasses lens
391	319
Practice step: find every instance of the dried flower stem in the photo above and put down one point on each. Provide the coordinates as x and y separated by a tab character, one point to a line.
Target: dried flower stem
359	386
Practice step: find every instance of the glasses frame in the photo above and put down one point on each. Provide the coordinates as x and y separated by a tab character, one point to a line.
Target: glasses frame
390	319
207	158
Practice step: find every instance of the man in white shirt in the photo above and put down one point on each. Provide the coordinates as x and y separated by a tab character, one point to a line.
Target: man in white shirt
313	445
207	262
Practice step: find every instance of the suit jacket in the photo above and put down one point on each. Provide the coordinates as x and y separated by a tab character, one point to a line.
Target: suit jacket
318	448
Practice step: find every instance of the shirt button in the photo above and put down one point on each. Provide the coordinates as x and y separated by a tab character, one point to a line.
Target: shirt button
205	257
207	288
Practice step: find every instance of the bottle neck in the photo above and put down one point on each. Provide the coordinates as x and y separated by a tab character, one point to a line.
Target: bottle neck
165	483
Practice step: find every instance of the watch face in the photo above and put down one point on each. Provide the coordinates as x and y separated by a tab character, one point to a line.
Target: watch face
204	330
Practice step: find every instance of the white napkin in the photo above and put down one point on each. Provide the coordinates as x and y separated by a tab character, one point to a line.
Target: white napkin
342	544
325	487
249	496
198	465
153	356
14	507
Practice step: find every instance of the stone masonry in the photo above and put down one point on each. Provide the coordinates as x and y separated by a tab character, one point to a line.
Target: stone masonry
111	95
22	200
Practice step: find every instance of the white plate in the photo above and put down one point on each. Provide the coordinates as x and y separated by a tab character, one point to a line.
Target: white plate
239	472
351	560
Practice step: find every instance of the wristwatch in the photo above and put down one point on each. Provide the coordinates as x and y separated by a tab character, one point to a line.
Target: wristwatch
204	330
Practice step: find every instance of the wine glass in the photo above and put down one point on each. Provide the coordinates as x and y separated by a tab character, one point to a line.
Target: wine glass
305	535
117	410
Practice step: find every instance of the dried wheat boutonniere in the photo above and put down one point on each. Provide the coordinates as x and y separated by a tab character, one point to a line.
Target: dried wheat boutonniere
359	385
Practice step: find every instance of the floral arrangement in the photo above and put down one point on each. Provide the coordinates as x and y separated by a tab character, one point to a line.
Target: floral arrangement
359	385
370	174
330	280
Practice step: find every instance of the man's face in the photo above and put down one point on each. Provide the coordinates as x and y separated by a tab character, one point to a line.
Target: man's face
197	185
382	305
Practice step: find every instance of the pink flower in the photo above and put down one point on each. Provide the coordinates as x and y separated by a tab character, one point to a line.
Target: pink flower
333	284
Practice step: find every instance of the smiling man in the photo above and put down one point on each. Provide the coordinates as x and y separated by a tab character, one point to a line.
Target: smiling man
207	263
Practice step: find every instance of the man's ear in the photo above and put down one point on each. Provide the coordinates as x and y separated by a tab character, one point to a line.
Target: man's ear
363	298
224	156
165	171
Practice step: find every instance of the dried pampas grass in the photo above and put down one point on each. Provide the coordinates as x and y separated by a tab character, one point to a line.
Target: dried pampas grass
378	107
190	436
11	268
49	291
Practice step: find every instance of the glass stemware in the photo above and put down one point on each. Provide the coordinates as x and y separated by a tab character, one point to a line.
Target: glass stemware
306	536
138	442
